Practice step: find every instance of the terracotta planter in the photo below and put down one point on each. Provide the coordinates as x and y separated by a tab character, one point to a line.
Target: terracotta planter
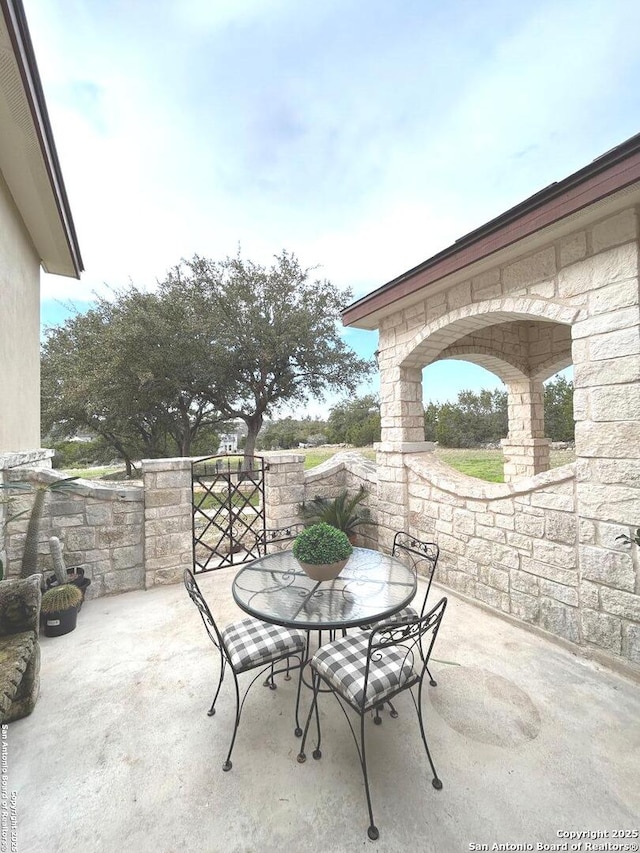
323	571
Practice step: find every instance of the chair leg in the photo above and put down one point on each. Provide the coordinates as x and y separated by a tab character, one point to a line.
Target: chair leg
432	680
377	718
372	832
269	682
227	764
317	754
437	784
303	661
212	709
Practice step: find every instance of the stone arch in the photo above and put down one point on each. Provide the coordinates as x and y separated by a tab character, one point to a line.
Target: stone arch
526	450
436	336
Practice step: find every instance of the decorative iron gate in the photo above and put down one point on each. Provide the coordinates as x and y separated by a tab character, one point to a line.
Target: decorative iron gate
228	511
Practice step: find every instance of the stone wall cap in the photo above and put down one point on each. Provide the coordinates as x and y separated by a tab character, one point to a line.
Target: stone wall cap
87	488
24	457
404	446
346	460
441	475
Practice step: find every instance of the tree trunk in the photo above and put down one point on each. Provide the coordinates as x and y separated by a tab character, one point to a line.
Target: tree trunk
254	425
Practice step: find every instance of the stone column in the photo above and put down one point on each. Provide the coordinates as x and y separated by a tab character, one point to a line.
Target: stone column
401	409
284	488
392	495
167	520
526	450
606	357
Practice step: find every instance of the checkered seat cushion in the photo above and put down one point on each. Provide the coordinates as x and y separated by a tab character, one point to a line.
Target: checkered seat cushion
251	643
343	664
402	616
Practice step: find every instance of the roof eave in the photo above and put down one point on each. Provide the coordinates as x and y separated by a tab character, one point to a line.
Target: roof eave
609	173
16	22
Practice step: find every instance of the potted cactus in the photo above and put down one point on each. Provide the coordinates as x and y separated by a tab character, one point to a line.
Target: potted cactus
59	609
62	574
322	551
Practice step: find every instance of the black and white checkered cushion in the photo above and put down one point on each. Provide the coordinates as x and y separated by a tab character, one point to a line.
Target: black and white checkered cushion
343	663
252	643
402	616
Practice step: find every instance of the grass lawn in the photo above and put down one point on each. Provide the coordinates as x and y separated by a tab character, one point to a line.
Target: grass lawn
483	464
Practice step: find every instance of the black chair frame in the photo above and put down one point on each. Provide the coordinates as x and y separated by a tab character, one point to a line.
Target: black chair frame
225	660
414	636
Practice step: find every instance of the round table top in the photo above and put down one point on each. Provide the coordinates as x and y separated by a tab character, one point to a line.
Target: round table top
371	587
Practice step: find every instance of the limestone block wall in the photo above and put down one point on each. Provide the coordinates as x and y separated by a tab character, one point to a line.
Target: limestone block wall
586	281
347	470
167	524
101	528
511	546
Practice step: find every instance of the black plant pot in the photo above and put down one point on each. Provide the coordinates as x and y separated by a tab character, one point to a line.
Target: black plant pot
60	622
76	577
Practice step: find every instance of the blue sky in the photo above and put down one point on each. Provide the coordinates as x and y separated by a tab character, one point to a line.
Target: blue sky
363	135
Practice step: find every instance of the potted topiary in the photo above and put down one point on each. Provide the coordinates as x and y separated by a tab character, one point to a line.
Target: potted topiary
59	609
322	551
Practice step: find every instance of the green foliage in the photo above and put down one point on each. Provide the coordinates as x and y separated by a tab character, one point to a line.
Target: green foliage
288	432
482	418
321	543
273	334
134	370
473	420
341	512
558	410
629	540
61	598
80	454
217	341
355	421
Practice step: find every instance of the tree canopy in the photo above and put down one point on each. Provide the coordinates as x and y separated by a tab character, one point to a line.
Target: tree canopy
217	341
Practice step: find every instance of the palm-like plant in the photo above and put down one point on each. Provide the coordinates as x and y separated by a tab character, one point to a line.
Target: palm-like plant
30	554
343	512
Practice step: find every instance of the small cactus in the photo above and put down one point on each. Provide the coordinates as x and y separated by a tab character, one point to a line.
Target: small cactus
61	598
58	560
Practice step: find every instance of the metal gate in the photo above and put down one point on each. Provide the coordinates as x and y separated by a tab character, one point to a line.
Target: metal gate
228	511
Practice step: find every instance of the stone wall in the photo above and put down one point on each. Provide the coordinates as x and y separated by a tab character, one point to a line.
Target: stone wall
511	546
585	281
347	470
100	528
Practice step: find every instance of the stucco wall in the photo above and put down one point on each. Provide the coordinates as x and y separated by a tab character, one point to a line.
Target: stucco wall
19	332
586	281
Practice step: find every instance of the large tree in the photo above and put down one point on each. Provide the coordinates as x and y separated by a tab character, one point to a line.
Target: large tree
135	371
355	421
274	334
217	341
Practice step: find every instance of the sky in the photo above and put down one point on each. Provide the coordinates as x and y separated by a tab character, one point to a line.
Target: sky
362	135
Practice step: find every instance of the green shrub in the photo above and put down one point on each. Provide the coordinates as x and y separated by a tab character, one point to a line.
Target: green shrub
61	598
321	543
342	512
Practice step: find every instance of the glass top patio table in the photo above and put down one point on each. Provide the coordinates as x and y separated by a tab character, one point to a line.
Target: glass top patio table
371	587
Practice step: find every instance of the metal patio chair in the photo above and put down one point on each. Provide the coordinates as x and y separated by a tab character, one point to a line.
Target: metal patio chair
363	671
277	535
246	645
423	558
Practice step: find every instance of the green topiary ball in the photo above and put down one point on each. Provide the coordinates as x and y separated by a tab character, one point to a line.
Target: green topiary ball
320	544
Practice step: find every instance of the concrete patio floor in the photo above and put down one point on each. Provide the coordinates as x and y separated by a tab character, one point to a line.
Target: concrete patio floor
530	741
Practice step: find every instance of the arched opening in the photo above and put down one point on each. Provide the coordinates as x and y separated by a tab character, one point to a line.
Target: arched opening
521	351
